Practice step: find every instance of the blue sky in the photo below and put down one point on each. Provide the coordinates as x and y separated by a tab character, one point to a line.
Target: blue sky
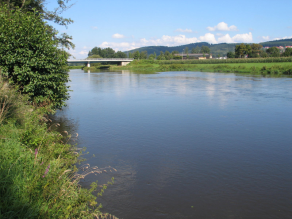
129	24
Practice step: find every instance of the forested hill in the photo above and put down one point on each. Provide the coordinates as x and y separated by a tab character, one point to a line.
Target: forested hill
216	49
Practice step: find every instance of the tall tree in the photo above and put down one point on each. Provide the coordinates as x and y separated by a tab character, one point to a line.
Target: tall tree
31	59
205	49
288	52
143	55
120	54
167	55
136	55
64	39
240	50
273	52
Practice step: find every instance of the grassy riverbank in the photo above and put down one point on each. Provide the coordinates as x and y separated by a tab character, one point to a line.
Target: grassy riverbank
38	178
263	67
76	67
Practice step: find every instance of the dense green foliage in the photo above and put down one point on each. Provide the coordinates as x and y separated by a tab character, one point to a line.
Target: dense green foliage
54	16
106	53
30	57
37	174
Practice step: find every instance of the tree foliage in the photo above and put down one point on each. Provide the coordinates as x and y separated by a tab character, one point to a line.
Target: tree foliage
205	49
106	53
273	52
30	57
45	14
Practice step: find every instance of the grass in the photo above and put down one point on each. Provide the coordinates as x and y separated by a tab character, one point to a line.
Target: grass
38	177
272	68
77	67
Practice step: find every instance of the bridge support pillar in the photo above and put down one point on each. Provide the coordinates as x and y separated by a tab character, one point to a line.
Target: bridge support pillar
88	64
124	63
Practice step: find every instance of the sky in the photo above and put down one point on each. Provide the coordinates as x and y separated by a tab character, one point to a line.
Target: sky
128	24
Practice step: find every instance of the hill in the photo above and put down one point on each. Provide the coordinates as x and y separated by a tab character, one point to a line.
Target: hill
216	49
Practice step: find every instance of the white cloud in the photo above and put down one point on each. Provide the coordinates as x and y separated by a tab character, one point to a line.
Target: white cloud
266	38
238	38
184	31
84	52
118	36
283	38
209	38
95	28
225	39
243	38
222	27
219	34
177	40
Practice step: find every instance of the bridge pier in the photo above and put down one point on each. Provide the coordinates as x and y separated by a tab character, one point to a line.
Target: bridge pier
124	63
88	64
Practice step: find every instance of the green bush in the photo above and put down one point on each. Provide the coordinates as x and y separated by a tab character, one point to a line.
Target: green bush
30	57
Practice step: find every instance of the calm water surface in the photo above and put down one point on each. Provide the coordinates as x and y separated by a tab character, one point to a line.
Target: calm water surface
186	144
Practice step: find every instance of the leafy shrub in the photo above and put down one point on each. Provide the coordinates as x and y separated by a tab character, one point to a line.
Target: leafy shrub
30	57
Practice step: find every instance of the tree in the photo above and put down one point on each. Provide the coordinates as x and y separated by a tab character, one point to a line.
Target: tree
288	52
240	50
256	50
273	52
167	55
136	55
94	57
151	57
120	54
104	53
264	54
161	56
248	50
197	50
205	49
143	55
24	6
174	52
230	55
31	59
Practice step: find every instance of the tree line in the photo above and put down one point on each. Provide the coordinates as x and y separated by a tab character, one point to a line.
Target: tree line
257	51
98	52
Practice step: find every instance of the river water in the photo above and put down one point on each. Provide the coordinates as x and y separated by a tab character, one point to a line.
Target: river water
186	144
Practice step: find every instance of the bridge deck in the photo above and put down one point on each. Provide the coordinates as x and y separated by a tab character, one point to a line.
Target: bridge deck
101	60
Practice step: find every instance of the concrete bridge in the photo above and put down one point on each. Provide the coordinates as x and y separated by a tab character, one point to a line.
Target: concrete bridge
120	61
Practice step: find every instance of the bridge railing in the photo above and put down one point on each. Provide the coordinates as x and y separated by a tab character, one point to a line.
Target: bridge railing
103	59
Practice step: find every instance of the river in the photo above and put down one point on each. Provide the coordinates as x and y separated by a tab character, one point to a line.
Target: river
186	144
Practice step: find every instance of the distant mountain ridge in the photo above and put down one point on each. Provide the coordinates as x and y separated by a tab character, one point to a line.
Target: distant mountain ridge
222	48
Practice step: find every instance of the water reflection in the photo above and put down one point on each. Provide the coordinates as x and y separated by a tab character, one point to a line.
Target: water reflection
218	142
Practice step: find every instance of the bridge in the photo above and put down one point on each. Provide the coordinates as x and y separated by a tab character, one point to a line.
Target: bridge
120	61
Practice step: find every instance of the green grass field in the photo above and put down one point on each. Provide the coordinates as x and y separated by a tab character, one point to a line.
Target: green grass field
255	68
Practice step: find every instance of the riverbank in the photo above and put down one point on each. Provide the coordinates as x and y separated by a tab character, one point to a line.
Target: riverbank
274	68
38	176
